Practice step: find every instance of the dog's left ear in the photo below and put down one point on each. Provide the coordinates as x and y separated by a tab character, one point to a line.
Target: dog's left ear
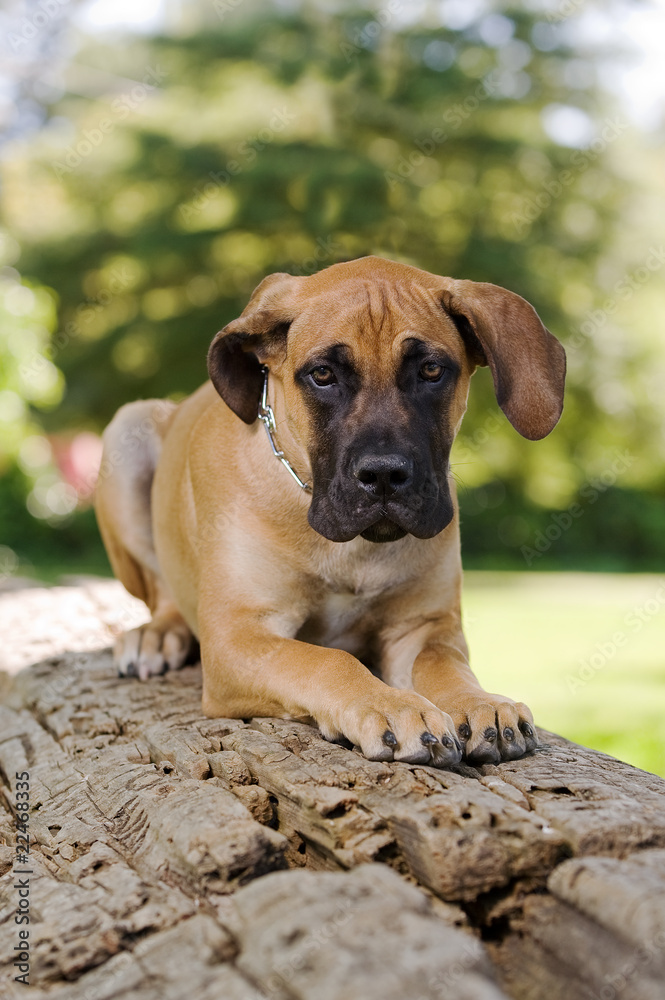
528	364
238	351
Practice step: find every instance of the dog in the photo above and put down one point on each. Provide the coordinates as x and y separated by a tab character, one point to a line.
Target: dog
296	515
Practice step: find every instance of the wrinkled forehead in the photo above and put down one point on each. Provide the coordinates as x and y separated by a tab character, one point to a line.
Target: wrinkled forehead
373	319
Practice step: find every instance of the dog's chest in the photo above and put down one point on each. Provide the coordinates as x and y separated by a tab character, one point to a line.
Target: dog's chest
343	612
343	620
347	612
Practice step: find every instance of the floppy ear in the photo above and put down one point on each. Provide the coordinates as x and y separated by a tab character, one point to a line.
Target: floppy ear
528	364
238	351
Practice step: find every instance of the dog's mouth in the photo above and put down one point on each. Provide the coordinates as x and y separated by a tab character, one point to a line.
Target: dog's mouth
384	521
383	530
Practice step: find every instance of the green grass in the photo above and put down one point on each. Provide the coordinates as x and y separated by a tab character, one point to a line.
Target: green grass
586	651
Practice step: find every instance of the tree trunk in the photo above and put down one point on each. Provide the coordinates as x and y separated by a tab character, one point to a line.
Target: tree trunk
175	856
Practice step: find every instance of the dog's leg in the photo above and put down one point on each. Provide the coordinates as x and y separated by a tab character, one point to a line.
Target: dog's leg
132	443
249	670
491	727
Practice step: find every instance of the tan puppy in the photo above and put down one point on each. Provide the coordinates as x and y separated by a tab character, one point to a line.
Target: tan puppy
298	607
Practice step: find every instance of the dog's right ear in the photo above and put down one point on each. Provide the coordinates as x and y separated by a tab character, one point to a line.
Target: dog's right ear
239	351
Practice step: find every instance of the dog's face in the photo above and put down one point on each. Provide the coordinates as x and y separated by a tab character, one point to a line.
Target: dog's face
380	376
375	360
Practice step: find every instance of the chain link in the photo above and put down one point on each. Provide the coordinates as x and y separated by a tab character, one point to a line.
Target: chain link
267	418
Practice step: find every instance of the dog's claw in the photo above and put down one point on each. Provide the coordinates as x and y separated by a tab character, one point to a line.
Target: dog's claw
449	742
389	738
446	753
512	744
529	735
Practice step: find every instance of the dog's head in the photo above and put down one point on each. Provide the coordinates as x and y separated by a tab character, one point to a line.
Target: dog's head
375	359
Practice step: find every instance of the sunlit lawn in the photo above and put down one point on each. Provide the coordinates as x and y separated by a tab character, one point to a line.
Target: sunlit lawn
586	651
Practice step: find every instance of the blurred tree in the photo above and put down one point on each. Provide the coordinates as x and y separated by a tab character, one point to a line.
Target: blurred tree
29	381
177	171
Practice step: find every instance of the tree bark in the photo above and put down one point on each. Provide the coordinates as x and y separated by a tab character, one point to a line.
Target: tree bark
176	856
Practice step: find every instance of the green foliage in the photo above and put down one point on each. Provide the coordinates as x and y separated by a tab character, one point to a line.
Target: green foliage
609	530
263	141
30	386
46	550
27	377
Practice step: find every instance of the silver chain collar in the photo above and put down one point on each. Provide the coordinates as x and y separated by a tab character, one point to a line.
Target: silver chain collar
267	418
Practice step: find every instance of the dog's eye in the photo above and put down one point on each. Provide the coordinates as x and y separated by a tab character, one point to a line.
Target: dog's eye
431	371
322	375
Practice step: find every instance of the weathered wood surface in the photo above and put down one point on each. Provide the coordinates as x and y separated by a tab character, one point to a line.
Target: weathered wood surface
37	622
176	856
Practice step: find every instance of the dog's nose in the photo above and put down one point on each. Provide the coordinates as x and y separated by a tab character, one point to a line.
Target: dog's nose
383	475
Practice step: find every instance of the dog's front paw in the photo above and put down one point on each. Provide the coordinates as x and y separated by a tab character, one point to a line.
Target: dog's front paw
398	725
161	645
492	728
